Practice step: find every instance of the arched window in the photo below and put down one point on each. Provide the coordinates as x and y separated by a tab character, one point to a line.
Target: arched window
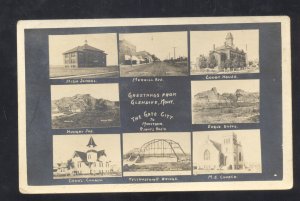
206	155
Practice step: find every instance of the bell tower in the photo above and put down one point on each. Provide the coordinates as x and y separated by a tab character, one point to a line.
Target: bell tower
91	143
229	39
91	154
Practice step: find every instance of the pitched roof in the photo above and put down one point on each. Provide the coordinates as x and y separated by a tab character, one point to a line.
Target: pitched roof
91	143
82	155
143	54
101	153
216	145
83	48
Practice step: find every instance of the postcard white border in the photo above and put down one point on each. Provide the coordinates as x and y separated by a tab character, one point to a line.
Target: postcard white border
287	181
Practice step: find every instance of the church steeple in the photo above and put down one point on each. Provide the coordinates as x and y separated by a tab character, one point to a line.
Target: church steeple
91	143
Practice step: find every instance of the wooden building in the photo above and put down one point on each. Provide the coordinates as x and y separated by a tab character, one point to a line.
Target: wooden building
129	56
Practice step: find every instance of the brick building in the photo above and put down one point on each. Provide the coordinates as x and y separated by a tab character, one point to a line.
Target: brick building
84	56
228	51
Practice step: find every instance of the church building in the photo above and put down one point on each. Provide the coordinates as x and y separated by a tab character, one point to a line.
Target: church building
227	154
84	56
228	52
90	162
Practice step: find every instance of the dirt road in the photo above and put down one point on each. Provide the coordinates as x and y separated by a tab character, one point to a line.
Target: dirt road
153	69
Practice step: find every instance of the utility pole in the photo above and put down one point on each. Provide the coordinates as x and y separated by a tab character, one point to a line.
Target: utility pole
174	52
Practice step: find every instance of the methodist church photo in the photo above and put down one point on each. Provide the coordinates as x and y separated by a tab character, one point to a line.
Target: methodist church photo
228	151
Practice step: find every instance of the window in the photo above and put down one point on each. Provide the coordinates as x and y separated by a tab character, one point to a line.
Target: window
206	155
240	156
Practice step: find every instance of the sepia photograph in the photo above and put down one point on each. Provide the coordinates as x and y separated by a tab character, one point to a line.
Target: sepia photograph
107	118
85	106
226	152
155	154
224	52
153	54
83	56
86	156
225	101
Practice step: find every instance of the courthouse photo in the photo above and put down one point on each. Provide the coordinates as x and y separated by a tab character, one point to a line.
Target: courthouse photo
83	56
232	51
153	54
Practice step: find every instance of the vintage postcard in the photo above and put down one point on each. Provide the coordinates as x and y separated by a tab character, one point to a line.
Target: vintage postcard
154	104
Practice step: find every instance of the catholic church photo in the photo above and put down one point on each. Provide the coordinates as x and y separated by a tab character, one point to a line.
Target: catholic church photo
223	153
92	162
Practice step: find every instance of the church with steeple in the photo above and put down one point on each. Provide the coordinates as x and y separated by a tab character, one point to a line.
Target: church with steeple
89	162
224	154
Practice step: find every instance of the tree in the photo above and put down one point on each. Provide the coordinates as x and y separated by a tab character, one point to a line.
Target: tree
202	62
155	58
227	63
243	63
70	164
212	61
235	63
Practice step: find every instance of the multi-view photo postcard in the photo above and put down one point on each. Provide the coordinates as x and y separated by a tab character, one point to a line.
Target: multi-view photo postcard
225	123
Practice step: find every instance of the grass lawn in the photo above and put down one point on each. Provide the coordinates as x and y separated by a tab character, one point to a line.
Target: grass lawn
110	71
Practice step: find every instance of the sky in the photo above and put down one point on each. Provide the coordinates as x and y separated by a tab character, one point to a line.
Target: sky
59	44
159	43
202	42
250	140
65	145
105	91
225	86
136	140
